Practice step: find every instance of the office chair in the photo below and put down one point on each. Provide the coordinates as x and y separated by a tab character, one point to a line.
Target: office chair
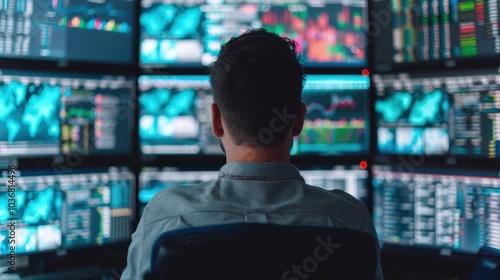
263	251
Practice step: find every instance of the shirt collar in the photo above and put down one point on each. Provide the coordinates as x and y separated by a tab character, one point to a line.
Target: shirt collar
260	171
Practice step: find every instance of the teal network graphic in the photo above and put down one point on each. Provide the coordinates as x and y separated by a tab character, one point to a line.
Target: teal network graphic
162	26
166	113
413	122
29	112
417	109
392	108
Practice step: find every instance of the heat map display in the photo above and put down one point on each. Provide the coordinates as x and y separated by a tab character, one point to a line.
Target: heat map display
438	114
42	115
74	30
189	33
64	211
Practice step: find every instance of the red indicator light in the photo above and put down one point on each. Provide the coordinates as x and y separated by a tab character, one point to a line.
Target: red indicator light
363	164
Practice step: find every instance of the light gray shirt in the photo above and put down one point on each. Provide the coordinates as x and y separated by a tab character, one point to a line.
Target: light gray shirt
249	192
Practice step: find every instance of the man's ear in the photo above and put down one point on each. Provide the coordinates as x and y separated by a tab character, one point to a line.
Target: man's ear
299	120
217	128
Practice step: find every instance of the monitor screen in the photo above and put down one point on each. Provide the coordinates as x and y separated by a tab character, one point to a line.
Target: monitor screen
330	33
175	116
440	208
54	211
430	30
337	119
439	113
45	114
352	180
153	180
68	30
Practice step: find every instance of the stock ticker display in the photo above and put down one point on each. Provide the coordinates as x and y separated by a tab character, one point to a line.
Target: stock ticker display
66	211
439	114
74	30
189	33
175	116
439	30
43	115
442	209
352	180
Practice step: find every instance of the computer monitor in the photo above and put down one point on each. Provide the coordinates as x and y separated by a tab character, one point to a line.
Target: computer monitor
152	180
50	114
445	209
53	212
337	119
175	115
351	179
330	33
71	30
443	113
421	31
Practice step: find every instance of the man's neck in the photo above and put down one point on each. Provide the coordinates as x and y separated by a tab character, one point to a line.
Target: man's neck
249	154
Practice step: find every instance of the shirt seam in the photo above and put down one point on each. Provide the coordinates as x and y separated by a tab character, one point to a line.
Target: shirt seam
253	212
257	178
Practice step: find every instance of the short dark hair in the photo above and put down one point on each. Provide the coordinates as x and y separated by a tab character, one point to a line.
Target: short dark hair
256	75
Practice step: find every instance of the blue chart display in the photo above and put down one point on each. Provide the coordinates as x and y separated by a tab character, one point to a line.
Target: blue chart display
190	33
438	209
74	30
175	115
44	115
53	211
438	115
337	115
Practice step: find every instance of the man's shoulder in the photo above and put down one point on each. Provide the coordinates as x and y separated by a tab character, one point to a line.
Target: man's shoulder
338	195
338	204
173	191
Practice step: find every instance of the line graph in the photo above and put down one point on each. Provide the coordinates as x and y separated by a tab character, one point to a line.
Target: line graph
336	102
335	123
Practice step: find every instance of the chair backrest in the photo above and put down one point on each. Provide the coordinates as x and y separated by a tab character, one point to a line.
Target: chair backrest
263	251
